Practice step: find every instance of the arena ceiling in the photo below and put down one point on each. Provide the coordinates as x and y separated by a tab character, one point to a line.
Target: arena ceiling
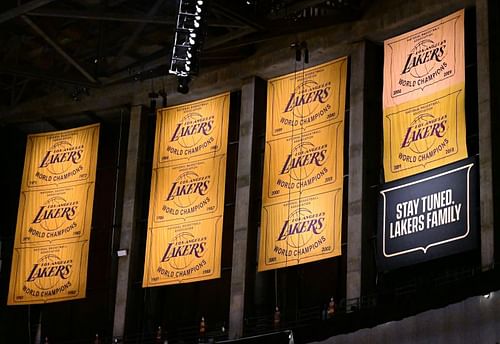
76	45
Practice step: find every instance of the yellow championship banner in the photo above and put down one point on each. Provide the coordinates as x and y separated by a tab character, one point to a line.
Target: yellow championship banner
186	207
188	191
53	215
54	218
301	230
302	100
53	273
185	252
61	157
424	98
303	166
303	163
192	130
428	133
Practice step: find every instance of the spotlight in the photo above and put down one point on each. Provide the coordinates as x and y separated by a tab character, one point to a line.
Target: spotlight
189	21
188	39
486	296
183	84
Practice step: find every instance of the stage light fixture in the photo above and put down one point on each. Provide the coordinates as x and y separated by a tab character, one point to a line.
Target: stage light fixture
187	42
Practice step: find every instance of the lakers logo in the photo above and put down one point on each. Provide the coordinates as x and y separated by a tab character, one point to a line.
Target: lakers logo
423	132
307	97
61	157
55	213
49	271
301	226
192	135
424	65
424	138
183	250
424	57
302	161
191	130
303	166
186	189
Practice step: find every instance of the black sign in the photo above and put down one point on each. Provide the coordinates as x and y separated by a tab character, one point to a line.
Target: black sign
428	216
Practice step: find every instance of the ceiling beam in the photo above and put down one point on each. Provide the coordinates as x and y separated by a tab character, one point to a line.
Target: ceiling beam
122	17
22	9
138	30
234	15
59	49
28	72
20	93
92	15
217	41
157	59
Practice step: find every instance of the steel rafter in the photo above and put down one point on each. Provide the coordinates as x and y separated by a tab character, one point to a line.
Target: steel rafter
59	49
22	9
121	17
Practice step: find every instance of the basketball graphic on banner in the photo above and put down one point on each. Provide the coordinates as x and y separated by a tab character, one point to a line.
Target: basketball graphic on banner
297	239
301	170
423	69
51	222
424	144
183	193
303	90
190	140
178	244
50	262
56	166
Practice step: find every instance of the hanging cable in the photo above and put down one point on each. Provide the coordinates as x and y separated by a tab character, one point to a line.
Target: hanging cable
117	175
297	58
301	147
